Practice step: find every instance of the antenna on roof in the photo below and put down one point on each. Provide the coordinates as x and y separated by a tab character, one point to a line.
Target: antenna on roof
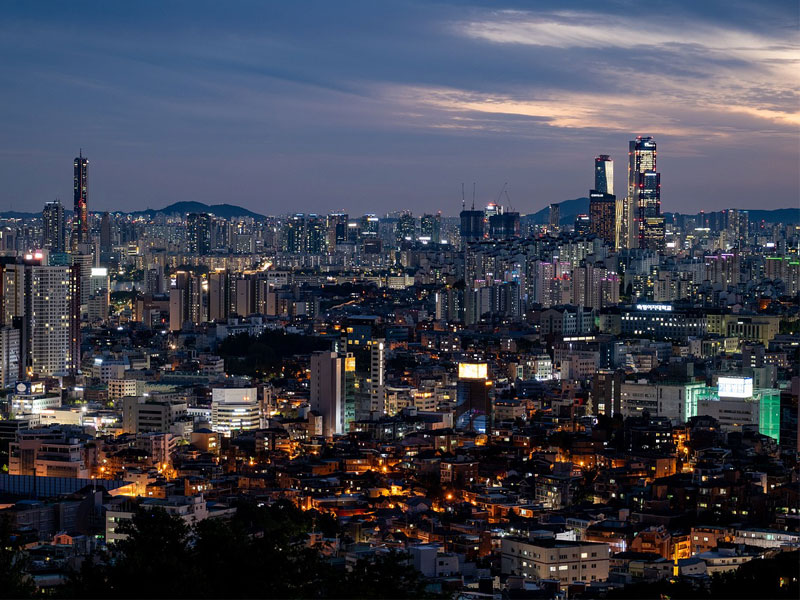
463	202
473	195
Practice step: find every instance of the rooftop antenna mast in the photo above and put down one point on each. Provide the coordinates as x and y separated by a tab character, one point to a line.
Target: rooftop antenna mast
463	201
473	195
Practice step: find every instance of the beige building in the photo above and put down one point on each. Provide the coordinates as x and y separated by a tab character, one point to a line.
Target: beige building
550	558
121	388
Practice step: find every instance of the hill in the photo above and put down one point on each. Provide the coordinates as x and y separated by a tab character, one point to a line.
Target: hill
779	215
225	211
569	210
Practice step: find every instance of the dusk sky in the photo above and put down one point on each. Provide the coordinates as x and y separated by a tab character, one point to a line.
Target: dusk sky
377	106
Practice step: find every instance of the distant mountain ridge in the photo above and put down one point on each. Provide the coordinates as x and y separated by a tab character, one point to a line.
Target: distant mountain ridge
225	211
568	211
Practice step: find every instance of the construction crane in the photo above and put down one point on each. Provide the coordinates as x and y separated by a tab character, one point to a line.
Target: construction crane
501	193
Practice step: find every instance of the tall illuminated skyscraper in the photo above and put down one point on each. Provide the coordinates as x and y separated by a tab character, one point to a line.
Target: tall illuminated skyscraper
644	189
604	174
639	221
80	216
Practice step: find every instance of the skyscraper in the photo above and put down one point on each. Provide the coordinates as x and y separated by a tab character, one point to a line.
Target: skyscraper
604	174
54	227
555	215
646	183
640	211
199	229
603	215
80	217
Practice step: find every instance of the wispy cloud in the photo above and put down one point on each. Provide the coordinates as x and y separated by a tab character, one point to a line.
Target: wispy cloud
662	77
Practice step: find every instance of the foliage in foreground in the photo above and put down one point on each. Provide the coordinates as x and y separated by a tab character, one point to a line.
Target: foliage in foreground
257	554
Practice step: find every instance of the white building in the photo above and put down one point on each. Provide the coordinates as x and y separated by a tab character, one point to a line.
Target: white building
377	370
141	414
766	538
549	558
121	388
638	397
9	356
52	321
235	409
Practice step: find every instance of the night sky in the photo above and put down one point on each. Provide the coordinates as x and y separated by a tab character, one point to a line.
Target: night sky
374	106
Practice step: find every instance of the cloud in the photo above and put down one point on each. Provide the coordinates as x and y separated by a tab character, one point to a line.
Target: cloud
664	78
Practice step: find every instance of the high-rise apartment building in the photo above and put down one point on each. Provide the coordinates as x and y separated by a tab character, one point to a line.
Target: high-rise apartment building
406	229
199	230
54	320
430	227
10	349
80	216
294	234
54	227
604	174
316	235
377	373
337	229
188	300
42	304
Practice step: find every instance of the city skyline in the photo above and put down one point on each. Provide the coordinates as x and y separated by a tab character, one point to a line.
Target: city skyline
267	107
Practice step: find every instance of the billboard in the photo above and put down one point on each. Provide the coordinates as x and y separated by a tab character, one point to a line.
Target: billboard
472	370
735	387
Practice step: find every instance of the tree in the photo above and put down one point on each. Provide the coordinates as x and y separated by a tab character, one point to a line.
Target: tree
14	579
260	553
775	577
384	576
